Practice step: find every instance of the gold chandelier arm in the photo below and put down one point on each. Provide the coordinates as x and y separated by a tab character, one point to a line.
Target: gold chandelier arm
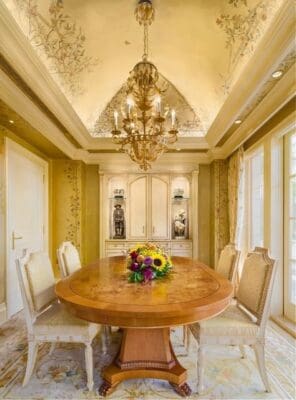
146	130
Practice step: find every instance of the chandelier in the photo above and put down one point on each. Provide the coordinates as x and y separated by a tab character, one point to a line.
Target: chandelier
146	127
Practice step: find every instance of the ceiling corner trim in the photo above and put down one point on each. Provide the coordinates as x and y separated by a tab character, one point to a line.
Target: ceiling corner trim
20	55
273	48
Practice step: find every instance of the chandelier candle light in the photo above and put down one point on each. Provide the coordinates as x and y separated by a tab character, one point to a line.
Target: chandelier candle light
146	130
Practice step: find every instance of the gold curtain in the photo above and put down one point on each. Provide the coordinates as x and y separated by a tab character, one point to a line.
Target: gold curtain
235	194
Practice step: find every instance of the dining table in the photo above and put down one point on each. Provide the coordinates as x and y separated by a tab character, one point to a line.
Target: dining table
101	293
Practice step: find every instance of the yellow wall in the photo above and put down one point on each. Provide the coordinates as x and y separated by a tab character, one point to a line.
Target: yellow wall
75	207
91	214
219	225
204	216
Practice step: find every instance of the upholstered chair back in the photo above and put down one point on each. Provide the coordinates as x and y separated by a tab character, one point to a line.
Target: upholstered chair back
36	283
228	262
68	259
255	287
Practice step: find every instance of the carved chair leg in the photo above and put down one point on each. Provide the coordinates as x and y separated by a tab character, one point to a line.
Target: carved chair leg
185	337
104	339
89	366
200	368
260	357
108	334
32	355
242	350
52	347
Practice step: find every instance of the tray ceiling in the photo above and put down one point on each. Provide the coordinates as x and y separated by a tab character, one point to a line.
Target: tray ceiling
199	47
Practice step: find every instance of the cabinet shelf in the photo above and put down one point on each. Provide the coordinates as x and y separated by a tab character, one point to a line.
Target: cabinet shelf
153	208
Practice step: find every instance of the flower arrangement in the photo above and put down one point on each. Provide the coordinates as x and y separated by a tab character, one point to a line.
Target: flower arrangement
147	262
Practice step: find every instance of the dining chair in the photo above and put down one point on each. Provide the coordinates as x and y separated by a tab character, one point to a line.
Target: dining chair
46	318
228	262
68	259
227	267
243	323
69	262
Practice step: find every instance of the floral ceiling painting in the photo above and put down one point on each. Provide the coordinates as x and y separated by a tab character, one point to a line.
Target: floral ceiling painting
59	40
89	47
189	123
243	23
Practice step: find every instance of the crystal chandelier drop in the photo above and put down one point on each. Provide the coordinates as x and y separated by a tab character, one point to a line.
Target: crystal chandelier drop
146	129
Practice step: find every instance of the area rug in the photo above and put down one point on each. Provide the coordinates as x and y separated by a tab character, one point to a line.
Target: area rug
61	375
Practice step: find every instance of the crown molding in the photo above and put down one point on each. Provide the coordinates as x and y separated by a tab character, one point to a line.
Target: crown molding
184	143
18	52
276	44
174	162
26	108
280	95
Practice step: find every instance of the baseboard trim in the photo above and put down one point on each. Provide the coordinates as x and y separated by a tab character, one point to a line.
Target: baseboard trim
285	324
3	313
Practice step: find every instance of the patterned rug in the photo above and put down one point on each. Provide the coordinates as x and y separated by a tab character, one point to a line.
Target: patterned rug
61	375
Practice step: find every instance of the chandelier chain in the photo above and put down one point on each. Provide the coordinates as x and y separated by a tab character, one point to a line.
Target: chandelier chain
146	131
146	42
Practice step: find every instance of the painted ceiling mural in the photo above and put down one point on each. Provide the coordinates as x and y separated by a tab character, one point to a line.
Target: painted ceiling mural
202	52
189	124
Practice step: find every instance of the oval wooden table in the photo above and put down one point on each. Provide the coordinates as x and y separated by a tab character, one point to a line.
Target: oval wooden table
101	293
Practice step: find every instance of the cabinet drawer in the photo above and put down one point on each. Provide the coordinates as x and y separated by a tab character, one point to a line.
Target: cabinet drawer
182	253
181	245
111	253
115	246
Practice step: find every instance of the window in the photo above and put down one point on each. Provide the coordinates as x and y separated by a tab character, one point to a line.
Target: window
254	201
290	226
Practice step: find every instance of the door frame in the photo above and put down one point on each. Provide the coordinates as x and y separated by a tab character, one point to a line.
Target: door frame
10	145
289	308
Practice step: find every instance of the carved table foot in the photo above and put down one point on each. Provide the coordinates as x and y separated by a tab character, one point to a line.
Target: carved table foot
183	390
106	388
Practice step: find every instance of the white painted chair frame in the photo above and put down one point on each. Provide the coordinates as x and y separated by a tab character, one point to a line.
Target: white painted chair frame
64	269
106	330
256	342
231	276
35	339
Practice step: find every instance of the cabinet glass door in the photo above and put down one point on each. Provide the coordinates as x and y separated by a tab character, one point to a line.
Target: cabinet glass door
138	208
159	208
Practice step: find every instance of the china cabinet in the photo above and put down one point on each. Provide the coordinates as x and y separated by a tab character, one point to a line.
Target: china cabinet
159	208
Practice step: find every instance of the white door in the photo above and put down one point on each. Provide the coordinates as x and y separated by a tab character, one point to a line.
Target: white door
26	176
159	208
138	208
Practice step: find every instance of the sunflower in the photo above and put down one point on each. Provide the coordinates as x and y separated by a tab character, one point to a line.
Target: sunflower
159	262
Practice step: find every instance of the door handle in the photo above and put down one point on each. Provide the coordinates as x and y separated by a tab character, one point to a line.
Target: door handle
143	229
14	238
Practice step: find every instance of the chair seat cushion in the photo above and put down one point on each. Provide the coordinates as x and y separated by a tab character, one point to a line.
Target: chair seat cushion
232	326
57	322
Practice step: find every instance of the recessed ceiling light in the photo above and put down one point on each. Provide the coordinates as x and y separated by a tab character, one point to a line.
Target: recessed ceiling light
178	149
277	74
11	121
238	121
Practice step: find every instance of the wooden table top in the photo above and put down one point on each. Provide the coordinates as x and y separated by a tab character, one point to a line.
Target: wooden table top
101	293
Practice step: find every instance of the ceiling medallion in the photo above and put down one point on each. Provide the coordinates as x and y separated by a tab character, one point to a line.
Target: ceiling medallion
146	129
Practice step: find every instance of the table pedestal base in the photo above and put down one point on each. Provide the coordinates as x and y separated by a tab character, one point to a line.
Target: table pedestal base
145	353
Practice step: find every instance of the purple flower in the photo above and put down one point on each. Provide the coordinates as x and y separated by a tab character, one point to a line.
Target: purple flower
148	274
134	267
148	260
